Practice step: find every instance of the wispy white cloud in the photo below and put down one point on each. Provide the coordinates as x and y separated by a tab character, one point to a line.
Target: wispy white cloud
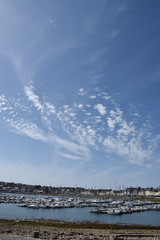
33	97
101	109
50	107
132	150
114	118
3	102
98	119
82	92
80	105
4	105
82	152
129	142
111	123
92	96
71	157
27	128
76	132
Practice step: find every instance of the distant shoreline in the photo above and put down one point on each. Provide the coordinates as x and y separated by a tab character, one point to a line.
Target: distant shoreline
153	198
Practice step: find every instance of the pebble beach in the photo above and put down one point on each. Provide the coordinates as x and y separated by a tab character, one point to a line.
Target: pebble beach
75	231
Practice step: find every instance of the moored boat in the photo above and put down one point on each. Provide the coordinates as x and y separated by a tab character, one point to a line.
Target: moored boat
114	211
96	210
22	205
33	206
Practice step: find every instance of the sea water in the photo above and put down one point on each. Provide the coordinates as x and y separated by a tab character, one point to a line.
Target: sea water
11	211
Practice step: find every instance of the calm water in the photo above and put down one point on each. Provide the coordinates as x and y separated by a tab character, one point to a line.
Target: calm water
11	211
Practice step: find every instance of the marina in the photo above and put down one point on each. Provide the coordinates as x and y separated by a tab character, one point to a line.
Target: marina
79	209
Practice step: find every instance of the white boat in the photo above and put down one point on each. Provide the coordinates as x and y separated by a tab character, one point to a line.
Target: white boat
22	205
33	206
114	211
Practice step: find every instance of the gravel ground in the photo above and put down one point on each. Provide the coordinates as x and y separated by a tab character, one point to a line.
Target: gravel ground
11	237
9	229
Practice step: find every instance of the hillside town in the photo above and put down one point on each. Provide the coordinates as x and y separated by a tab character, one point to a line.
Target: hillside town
11	187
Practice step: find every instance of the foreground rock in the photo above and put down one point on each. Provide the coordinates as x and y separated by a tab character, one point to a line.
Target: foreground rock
68	231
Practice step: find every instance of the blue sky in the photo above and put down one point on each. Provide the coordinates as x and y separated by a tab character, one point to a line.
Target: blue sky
79	92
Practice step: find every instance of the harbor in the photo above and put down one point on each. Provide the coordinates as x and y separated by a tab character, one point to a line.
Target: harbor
75	209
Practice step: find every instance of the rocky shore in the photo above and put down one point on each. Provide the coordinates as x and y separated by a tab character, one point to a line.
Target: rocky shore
43	229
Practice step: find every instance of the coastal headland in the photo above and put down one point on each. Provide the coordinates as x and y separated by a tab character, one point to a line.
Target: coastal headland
54	229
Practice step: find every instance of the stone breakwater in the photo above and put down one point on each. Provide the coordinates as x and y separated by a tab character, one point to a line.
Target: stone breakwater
29	229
